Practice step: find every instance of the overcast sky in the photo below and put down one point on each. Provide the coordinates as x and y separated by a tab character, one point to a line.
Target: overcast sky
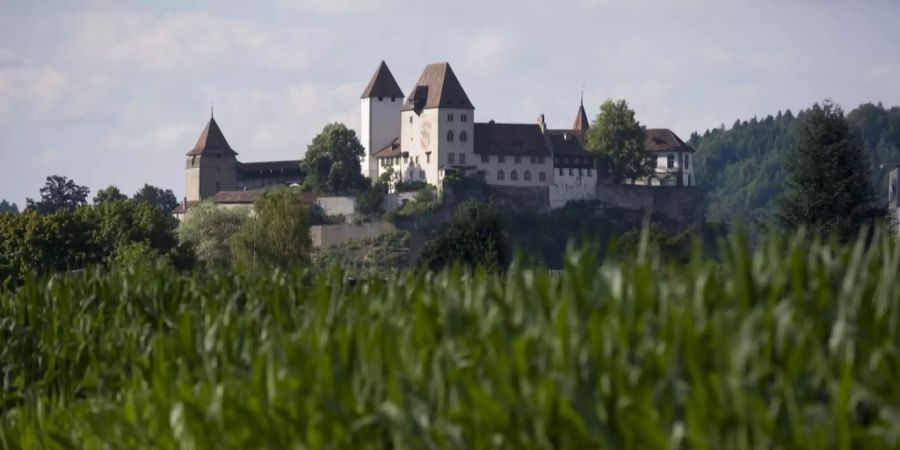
117	92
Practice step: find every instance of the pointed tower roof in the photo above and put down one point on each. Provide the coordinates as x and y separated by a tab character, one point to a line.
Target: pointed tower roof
581	119
212	141
438	88
382	84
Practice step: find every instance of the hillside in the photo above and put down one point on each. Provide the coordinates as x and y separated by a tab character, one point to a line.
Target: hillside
741	169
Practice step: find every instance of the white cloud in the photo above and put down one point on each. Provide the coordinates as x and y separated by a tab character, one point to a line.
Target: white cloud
490	51
184	41
334	6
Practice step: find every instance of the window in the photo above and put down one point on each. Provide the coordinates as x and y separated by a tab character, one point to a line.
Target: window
428	158
451	158
518	159
501	159
670	161
410	118
450	136
421	174
449	117
542	176
571	171
654	162
560	170
393	99
463	136
463	117
462	158
380	99
687	162
589	171
579	172
513	176
526	176
500	175
417	160
485	158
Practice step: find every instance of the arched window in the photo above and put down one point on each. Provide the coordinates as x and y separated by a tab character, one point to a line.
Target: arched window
463	136
526	176
513	176
410	119
500	175
450	136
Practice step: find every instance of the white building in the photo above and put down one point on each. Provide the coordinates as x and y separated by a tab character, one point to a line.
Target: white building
434	132
674	160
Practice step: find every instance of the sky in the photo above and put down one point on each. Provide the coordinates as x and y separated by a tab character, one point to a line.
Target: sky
115	93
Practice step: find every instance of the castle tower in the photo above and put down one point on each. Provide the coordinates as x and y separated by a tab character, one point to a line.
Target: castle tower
581	125
437	127
211	165
380	119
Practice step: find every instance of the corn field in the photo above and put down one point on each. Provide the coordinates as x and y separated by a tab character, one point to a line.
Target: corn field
792	345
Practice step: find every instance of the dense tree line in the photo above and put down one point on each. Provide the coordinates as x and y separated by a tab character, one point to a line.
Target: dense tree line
742	168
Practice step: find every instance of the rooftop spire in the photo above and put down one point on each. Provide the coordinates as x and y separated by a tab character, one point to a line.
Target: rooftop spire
382	84
581	119
212	141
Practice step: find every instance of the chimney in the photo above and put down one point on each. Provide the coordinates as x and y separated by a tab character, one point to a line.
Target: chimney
542	123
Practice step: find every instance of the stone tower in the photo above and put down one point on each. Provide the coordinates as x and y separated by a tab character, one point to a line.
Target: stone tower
211	165
380	105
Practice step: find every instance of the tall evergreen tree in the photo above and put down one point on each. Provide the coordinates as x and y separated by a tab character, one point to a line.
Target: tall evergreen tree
8	207
828	188
618	135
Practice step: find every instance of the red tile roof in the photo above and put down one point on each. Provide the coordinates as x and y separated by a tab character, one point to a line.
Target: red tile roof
437	88
212	141
382	84
391	150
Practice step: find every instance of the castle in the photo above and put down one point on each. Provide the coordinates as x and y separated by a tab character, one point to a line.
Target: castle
432	132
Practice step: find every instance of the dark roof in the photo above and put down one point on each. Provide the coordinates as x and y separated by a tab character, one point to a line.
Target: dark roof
664	140
393	149
567	143
382	84
581	120
512	139
212	141
248	197
437	88
271	166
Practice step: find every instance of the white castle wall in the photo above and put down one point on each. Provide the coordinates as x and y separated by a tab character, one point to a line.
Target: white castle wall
379	126
578	186
493	166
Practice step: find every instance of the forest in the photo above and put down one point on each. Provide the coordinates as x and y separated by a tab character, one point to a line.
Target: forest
741	169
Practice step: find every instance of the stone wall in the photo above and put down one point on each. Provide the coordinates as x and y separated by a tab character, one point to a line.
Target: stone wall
683	206
325	235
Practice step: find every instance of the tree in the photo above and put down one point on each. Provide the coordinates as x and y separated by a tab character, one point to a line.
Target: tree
158	198
276	235
109	194
828	188
475	238
616	134
120	227
332	161
207	228
8	207
369	200
59	193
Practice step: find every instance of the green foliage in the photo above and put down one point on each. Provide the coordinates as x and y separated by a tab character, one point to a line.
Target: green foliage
475	238
276	235
741	169
124	223
207	229
368	202
156	197
8	207
410	186
618	136
426	199
768	349
109	194
59	193
45	243
332	161
377	255
828	188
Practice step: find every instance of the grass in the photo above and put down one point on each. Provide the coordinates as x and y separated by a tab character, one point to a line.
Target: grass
793	345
